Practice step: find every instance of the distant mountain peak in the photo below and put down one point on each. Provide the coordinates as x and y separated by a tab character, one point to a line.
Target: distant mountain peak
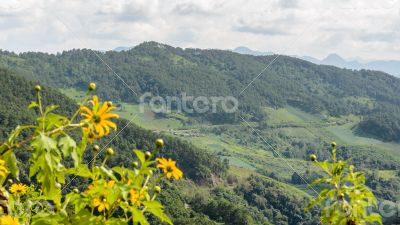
388	66
122	48
247	51
334	59
334	56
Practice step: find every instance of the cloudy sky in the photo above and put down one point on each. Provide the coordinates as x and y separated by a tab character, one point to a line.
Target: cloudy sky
351	28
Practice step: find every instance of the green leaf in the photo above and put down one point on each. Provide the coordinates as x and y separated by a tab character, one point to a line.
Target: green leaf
82	171
55	121
156	209
50	108
138	217
107	172
325	166
68	147
140	156
86	218
11	161
374	217
33	104
116	221
46	165
44	218
43	142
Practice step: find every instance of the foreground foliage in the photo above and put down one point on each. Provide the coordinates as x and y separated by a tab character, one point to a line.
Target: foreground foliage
117	195
347	201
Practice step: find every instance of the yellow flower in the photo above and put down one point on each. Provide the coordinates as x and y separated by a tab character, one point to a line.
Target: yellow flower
169	168
101	203
90	134
18	189
3	168
110	184
99	116
92	187
136	196
8	220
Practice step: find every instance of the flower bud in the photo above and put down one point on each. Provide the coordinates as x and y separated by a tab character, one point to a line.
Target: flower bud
147	155
150	172
333	144
58	185
76	190
135	165
110	151
341	196
159	143
38	88
10	181
92	86
96	148
313	157
157	189
109	104
351	168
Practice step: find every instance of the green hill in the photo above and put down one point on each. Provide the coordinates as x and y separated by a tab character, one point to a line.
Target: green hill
164	70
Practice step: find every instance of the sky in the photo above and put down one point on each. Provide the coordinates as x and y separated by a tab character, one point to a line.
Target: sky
350	28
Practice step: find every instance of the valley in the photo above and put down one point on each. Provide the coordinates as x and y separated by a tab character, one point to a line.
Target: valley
286	124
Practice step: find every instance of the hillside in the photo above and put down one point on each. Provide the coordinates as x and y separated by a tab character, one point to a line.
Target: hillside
199	190
167	71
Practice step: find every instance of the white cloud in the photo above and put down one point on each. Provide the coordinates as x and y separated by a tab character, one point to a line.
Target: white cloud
302	27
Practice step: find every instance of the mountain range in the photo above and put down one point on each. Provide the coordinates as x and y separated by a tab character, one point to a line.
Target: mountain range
388	66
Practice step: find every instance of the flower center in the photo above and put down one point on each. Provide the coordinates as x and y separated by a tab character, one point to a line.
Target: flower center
169	169
96	118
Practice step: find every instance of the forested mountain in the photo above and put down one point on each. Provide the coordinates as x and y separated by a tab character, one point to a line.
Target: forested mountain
198	199
164	70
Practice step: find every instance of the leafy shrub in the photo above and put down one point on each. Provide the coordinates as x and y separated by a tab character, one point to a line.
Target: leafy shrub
348	199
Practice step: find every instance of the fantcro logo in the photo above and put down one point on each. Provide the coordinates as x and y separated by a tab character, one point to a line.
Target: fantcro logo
188	104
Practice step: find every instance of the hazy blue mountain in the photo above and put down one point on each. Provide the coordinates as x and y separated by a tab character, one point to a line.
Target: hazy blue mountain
247	51
310	59
389	66
334	60
122	48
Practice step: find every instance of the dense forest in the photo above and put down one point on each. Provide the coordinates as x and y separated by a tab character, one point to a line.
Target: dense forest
164	70
204	197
